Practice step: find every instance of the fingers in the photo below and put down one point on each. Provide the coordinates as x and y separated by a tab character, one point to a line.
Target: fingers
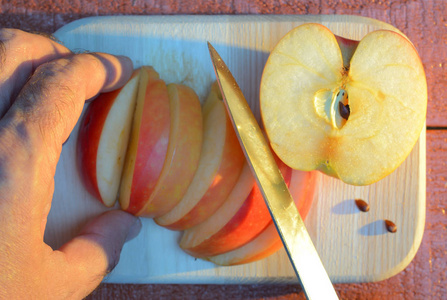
95	252
40	120
21	53
49	105
48	86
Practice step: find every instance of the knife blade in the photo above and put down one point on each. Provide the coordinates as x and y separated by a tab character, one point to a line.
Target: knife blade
297	242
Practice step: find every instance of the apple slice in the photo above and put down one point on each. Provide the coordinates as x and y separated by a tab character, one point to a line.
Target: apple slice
220	164
351	110
239	220
102	140
194	237
183	153
302	188
148	143
213	96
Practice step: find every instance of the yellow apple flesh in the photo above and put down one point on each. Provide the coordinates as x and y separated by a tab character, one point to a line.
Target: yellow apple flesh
220	164
352	111
302	188
102	140
240	219
148	143
183	152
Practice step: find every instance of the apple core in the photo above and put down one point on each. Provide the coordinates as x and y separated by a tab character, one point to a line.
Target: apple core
332	106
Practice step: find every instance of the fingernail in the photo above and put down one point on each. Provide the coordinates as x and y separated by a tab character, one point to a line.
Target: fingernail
134	230
118	72
126	60
123	57
66	140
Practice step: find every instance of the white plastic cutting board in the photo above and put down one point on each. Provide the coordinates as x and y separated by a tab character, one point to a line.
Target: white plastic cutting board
353	246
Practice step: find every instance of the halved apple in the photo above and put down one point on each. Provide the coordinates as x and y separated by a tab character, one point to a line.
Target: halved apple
102	141
302	188
183	153
240	219
351	110
220	164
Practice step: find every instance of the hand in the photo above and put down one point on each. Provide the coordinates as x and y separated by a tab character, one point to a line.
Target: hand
43	87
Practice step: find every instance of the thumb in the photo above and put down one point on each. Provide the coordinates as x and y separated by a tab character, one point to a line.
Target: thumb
96	250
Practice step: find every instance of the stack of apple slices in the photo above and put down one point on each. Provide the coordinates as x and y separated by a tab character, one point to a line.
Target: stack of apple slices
241	230
163	153
219	167
245	246
154	147
133	142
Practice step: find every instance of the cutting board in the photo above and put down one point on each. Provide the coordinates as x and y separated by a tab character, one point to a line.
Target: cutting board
354	246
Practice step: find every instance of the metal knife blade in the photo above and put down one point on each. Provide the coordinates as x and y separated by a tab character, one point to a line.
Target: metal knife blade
297	242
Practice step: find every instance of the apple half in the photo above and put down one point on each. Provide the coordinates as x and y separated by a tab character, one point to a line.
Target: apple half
302	188
102	141
353	110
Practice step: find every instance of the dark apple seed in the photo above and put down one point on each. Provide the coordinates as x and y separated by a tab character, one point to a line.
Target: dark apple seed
390	226
362	205
344	110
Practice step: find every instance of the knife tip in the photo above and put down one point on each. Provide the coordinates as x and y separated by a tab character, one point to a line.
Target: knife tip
210	47
213	53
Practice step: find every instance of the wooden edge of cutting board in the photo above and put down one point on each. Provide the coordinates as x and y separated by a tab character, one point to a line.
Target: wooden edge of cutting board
263	269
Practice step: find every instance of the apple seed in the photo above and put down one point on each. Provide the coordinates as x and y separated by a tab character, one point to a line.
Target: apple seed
362	205
339	108
390	226
344	110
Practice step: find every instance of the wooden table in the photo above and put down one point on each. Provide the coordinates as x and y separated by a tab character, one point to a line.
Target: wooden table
423	21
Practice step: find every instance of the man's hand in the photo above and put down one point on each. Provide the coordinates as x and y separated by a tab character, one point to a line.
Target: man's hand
43	87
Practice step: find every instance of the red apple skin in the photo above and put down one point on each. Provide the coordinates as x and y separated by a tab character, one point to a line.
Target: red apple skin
88	139
303	205
251	219
303	201
271	248
152	144
184	160
231	166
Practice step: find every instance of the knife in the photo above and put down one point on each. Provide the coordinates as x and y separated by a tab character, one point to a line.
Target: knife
297	242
